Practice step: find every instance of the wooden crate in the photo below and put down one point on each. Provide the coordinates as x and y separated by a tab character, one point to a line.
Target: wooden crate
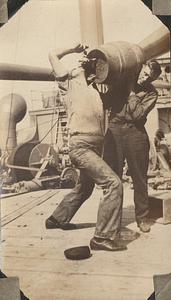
9	288
160	206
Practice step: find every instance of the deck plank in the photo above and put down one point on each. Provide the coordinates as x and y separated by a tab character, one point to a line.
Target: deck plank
36	255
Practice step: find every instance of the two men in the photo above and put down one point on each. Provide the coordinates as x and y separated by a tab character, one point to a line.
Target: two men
127	138
86	129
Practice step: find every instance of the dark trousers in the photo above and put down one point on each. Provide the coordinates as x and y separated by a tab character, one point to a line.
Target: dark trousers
85	153
132	144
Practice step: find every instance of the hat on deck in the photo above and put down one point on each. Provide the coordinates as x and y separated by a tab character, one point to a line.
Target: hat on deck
77	253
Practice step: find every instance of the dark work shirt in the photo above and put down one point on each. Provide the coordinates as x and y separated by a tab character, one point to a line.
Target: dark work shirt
137	107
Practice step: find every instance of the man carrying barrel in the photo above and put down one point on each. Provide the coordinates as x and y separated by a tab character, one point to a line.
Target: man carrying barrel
127	138
86	130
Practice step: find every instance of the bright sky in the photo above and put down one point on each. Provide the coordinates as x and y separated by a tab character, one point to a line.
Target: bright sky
128	20
41	25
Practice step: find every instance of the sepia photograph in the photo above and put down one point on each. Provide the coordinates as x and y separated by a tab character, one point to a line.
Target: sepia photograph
85	150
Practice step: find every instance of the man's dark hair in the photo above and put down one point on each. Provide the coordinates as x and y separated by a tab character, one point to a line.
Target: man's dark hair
159	134
89	67
154	67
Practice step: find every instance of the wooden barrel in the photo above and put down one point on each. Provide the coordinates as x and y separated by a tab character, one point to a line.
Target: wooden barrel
117	62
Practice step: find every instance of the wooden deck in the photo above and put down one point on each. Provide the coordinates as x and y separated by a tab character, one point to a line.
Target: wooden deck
36	255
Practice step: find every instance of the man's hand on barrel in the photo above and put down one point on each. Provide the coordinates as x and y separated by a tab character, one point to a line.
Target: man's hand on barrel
78	48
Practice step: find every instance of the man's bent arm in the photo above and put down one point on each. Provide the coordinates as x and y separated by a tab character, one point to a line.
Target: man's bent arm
138	108
58	67
142	107
56	55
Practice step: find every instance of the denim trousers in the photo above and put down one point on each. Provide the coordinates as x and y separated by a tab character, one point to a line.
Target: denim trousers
85	153
132	144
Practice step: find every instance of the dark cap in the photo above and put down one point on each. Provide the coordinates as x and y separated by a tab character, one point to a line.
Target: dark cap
77	253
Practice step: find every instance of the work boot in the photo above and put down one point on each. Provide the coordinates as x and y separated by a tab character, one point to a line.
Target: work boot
52	223
107	245
144	225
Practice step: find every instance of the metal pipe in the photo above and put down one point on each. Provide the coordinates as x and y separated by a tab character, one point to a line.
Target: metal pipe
23	168
156	43
22	72
13	109
159	84
91	24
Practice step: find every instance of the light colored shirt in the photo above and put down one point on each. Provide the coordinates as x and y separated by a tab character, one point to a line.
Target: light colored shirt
84	107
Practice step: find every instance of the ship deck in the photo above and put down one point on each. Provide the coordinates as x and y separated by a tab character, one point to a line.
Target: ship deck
36	255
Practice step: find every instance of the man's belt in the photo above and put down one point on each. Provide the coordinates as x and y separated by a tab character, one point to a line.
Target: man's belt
85	133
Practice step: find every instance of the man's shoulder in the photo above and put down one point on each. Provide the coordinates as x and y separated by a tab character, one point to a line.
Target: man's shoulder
146	88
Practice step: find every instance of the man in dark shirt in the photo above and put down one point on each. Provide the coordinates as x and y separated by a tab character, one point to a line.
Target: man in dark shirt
127	139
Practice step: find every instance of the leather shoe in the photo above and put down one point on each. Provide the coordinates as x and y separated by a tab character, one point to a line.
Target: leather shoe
52	223
107	245
144	226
